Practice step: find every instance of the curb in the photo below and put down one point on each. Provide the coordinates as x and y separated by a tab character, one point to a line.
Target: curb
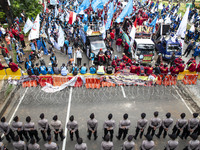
8	100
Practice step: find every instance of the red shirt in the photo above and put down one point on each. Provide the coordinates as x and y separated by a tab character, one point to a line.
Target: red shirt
13	66
119	41
117	68
198	68
21	37
149	70
181	67
164	70
112	35
114	63
129	61
138	70
122	65
177	61
192	67
1	66
133	69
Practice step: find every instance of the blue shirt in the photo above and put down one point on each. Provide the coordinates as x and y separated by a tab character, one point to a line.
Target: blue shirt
50	70
92	70
67	42
43	70
83	70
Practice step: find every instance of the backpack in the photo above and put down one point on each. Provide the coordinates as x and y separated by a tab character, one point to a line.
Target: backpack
75	72
142	71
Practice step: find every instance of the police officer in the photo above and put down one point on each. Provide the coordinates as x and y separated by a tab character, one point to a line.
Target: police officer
124	126
129	144
194	143
172	144
155	123
57	128
190	128
43	126
106	144
166	124
147	144
33	145
31	128
6	130
141	125
72	126
18	144
180	125
80	145
109	126
50	145
92	125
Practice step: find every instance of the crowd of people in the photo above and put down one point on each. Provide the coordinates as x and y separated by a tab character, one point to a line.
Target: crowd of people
19	132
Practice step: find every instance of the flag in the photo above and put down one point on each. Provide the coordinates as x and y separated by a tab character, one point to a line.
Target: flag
45	6
126	11
97	4
110	15
153	24
35	31
183	25
61	37
56	11
62	17
53	2
72	17
28	25
85	4
192	29
133	30
160	6
85	18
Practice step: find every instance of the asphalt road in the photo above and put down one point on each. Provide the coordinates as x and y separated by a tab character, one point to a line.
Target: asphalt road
81	102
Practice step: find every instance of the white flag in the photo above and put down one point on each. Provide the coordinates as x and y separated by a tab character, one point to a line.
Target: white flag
56	11
183	25
61	37
192	29
160	7
35	31
28	25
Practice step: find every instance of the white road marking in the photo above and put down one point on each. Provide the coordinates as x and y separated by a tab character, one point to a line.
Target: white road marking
20	101
67	118
123	92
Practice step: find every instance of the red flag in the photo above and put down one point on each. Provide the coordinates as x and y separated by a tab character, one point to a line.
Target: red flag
72	17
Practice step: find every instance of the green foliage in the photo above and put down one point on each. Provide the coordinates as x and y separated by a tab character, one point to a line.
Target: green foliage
31	7
8	90
2	15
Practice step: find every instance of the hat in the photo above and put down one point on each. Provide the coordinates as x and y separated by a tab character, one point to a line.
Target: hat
173	136
31	52
194	136
148	137
100	49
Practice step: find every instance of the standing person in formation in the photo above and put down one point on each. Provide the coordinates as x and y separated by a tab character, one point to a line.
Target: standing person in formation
31	128
57	128
194	143
92	125
43	126
129	144
124	126
50	145
155	123
166	124
33	145
147	144
80	145
106	144
172	144
191	126
72	126
109	126
6	130
141	125
18	144
180	125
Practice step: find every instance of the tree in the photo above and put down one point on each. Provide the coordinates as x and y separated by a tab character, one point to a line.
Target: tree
7	10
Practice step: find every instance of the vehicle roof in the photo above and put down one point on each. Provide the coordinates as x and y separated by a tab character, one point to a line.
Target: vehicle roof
144	41
95	38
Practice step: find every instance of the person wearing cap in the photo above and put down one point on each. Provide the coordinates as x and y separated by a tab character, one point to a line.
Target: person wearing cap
193	143
109	126
50	145
18	144
72	127
141	125
57	128
166	124
191	126
147	144
43	126
155	123
173	143
107	144
129	144
80	145
33	145
124	126
180	125
92	125
189	48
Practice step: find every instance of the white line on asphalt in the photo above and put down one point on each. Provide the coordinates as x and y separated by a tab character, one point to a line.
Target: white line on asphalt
67	118
20	101
123	92
183	101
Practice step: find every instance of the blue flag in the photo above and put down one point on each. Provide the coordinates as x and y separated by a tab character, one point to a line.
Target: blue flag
110	15
126	11
97	4
85	4
153	23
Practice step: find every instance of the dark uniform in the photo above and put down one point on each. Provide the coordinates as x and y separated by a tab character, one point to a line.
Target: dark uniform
92	125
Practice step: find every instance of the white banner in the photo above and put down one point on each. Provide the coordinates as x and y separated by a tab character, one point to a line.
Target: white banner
61	37
28	25
35	31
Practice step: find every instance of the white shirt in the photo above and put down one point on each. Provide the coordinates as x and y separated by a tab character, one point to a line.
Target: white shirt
3	30
78	54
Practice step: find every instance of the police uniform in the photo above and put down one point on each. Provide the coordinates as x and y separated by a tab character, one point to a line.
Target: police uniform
31	129
141	125
147	145
193	145
20	145
166	124
128	145
34	147
82	146
109	126
51	146
73	126
171	145
155	122
57	127
43	126
179	126
92	125
107	145
124	126
5	128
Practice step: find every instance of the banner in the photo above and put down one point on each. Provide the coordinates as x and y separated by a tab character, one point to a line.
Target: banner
53	2
28	25
97	4
61	37
110	15
83	6
35	31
